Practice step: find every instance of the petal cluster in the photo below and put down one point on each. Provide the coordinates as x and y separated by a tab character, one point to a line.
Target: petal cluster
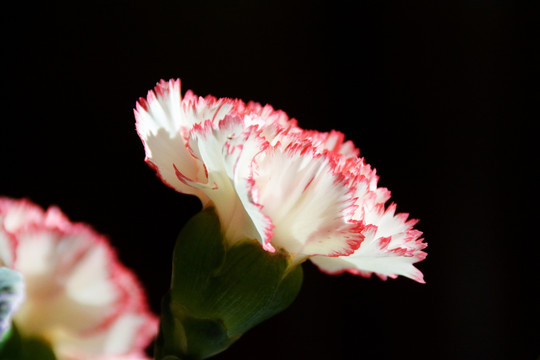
302	192
79	298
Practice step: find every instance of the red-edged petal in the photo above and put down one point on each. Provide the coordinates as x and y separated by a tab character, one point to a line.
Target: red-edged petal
333	142
271	123
240	154
310	204
226	149
163	123
390	248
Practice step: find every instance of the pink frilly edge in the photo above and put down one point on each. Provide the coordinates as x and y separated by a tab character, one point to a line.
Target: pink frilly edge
412	236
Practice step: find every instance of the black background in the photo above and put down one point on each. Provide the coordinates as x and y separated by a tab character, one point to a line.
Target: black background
437	95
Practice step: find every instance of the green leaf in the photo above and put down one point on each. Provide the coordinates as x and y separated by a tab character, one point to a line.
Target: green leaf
16	347
218	291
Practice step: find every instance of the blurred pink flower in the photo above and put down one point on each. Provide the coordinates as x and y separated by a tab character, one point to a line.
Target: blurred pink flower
79	298
302	192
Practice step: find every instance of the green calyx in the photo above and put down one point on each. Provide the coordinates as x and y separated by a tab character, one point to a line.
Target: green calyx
14	346
218	292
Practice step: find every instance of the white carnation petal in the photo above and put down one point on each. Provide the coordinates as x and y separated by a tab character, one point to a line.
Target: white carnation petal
90	281
117	341
390	248
240	154
217	145
161	124
310	205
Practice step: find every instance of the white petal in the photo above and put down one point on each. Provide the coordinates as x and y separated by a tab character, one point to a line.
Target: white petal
240	154
90	281
390	248
271	123
221	148
333	142
70	282
309	203
163	122
115	342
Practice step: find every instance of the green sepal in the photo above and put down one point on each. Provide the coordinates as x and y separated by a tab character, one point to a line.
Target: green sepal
16	347
219	291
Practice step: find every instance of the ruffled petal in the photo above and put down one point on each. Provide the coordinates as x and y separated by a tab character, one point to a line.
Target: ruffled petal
390	248
332	142
163	122
240	154
225	148
271	123
288	184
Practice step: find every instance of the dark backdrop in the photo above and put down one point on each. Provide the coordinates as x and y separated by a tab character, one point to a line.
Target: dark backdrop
437	95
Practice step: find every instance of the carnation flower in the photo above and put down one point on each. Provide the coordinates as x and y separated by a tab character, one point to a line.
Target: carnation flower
79	298
303	193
